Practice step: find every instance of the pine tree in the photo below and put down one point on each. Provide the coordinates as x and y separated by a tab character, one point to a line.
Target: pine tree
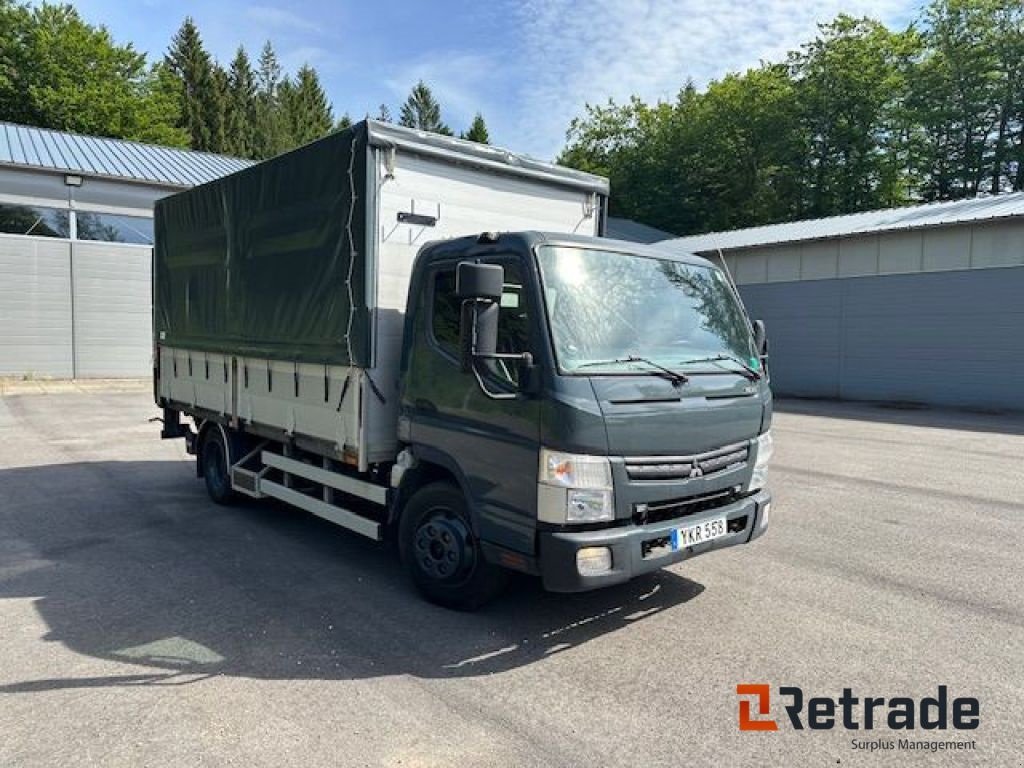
343	122
218	109
201	105
422	111
241	106
477	131
384	114
270	135
307	112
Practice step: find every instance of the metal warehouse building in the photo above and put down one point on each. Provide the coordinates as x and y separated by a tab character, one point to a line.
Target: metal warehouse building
922	304
76	229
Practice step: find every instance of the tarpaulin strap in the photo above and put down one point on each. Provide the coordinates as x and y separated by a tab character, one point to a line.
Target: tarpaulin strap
344	391
376	391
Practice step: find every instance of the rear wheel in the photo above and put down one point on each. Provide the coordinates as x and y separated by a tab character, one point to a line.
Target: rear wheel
213	457
440	552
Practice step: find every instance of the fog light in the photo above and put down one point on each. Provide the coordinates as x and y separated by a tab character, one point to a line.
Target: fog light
763	522
593	561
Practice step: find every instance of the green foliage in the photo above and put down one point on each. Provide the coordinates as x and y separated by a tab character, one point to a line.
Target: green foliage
202	89
307	112
860	117
422	111
847	85
59	72
477	131
240	117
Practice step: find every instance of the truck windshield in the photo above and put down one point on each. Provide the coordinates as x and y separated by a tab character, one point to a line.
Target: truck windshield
608	306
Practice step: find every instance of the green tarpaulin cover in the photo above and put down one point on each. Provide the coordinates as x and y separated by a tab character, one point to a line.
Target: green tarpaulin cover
270	261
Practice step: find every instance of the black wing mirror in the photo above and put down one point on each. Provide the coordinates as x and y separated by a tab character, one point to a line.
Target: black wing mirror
480	287
761	342
760	338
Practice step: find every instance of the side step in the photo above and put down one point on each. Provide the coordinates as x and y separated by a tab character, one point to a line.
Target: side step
337	515
255	484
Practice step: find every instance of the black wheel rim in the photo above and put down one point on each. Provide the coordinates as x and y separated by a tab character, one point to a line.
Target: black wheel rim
444	548
216	464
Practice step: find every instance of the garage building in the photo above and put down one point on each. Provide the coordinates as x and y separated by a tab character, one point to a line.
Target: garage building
76	230
923	304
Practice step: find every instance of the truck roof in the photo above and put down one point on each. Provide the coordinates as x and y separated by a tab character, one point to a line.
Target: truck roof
532	238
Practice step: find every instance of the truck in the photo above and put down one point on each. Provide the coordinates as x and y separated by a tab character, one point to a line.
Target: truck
428	341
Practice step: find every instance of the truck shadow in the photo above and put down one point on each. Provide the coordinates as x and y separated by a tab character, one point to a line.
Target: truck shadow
130	562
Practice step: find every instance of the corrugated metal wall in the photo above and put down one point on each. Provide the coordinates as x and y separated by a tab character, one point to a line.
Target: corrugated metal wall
947	338
74	309
35	306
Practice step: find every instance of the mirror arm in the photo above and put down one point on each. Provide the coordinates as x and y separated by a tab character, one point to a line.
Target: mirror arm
525	356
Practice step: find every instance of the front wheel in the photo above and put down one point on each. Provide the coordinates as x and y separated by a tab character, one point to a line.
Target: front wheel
440	553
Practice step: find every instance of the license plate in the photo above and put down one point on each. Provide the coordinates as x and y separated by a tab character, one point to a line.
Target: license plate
691	535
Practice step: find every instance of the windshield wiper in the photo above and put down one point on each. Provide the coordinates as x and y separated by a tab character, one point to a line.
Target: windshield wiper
747	372
674	376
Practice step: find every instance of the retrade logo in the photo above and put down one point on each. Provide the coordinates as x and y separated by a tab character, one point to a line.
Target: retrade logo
823	713
762	694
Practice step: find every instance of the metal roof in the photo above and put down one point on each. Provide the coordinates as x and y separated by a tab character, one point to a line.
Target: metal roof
892	219
28	147
634	231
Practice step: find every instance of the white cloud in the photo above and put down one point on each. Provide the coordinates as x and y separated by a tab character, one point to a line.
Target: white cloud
276	19
320	58
578	52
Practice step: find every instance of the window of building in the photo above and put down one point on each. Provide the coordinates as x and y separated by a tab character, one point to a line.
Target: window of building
114	228
34	220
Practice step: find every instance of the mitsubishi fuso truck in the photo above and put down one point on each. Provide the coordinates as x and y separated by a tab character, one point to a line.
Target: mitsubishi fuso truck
429	341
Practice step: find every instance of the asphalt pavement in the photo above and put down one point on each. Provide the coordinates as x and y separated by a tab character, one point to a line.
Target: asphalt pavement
142	625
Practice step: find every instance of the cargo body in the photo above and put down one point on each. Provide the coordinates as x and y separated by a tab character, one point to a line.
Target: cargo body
282	287
373	328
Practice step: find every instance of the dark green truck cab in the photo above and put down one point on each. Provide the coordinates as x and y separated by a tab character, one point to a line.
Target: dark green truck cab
604	409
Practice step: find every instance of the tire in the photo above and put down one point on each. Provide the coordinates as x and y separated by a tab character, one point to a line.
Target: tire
213	457
440	552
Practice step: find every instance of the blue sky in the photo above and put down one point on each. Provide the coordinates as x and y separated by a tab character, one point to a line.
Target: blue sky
528	66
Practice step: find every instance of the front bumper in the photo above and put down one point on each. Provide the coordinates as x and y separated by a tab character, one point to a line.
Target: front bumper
629	545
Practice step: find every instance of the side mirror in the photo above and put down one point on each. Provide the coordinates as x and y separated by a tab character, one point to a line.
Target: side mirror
479	286
483	282
478	332
760	338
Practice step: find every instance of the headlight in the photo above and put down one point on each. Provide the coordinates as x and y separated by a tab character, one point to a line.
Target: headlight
574	488
763	449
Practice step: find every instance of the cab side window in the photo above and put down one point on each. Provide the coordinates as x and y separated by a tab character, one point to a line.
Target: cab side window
446	311
513	318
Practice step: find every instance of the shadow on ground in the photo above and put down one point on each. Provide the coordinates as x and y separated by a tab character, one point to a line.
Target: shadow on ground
910	414
129	562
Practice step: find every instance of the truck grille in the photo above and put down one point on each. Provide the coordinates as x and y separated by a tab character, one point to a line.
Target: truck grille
657	512
661	468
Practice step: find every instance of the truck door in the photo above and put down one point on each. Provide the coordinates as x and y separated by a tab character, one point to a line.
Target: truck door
493	443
